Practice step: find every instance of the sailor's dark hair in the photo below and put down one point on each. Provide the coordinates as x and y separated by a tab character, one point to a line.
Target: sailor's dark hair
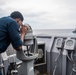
16	14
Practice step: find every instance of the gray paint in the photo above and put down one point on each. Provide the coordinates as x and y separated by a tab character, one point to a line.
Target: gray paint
64	65
26	68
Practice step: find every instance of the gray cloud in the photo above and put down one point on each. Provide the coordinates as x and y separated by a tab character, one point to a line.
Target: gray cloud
61	15
2	2
35	14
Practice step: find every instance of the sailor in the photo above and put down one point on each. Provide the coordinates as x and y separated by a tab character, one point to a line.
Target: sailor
9	31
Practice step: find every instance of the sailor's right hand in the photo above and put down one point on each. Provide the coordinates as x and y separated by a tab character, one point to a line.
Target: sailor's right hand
23	30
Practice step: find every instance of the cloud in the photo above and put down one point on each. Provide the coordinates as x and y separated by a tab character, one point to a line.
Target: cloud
50	14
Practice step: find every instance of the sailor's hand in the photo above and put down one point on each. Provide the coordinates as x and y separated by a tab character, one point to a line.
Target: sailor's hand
23	30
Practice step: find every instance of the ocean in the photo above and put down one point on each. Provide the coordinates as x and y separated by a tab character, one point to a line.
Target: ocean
54	32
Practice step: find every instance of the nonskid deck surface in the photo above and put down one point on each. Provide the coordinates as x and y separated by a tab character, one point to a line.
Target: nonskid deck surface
43	74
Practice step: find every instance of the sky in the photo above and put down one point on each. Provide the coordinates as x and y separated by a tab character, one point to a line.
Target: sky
43	14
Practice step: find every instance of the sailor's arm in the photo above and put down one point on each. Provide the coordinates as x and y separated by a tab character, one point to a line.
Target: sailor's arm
23	31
